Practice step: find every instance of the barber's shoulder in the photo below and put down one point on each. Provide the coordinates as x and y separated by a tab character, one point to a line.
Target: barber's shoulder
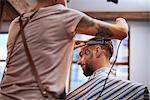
16	20
75	11
14	24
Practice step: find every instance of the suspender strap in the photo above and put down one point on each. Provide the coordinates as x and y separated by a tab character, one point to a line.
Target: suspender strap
29	57
16	38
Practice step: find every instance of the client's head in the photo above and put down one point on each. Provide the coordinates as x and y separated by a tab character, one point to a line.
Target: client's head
95	54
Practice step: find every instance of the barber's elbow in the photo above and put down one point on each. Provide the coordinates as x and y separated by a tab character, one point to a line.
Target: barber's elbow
124	32
122	27
123	36
120	34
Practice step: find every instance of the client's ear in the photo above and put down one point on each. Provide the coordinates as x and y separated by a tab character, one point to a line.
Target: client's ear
98	51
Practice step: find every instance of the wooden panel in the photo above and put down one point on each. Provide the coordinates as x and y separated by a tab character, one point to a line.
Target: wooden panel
9	12
117	63
143	16
20	5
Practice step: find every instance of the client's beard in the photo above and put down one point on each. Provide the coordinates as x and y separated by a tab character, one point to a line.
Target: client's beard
88	71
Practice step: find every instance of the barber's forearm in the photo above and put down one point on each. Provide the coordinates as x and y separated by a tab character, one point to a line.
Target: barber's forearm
90	26
119	30
122	28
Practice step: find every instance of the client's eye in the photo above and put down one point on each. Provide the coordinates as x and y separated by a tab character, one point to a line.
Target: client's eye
87	51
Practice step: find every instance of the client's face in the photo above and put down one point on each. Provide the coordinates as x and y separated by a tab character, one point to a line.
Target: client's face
86	61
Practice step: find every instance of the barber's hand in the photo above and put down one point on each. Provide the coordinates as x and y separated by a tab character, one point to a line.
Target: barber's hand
121	22
79	43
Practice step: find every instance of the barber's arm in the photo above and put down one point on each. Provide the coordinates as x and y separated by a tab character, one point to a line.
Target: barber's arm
90	26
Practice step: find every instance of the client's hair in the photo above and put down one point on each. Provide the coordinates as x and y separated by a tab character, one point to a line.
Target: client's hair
105	44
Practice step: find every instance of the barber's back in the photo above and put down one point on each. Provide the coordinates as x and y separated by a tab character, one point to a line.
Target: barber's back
49	35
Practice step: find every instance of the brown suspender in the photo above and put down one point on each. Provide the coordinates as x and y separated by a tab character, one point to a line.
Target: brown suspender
29	57
33	67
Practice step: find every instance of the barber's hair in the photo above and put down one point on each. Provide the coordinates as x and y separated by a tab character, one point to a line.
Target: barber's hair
106	45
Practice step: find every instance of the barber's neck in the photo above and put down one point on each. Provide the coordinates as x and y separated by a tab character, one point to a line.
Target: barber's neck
44	4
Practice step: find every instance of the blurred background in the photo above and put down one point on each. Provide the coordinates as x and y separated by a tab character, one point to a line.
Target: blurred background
133	62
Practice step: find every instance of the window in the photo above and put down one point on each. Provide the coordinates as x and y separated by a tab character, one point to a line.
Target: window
3	52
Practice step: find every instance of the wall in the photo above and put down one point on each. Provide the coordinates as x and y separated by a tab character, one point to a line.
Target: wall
139	52
148	68
103	5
